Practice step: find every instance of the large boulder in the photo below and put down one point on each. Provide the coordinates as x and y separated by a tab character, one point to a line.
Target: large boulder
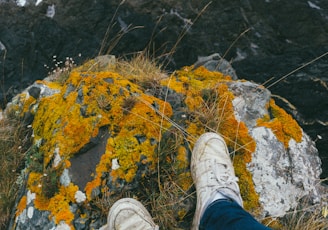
108	129
259	38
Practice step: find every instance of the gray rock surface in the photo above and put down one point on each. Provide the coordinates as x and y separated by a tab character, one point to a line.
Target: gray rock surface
282	176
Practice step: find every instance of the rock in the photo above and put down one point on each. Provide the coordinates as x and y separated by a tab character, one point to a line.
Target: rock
215	62
97	140
283	177
258	38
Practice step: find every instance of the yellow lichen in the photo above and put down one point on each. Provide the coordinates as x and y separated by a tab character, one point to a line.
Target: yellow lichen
282	125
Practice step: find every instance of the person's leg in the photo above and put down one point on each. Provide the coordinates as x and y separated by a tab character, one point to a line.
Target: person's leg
227	214
128	213
219	204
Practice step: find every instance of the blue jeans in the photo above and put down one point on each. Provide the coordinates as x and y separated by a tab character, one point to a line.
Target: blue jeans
228	215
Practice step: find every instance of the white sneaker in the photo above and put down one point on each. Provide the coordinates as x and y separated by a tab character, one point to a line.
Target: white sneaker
213	173
128	213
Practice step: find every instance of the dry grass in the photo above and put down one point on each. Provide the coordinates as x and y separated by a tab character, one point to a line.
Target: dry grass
142	69
14	139
305	220
304	217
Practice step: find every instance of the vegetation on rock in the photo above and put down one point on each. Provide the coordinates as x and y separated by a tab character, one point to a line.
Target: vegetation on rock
152	121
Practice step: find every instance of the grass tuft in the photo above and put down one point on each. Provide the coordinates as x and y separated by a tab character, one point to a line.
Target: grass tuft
14	142
306	217
142	69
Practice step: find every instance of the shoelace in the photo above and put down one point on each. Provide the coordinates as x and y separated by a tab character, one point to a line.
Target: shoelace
221	175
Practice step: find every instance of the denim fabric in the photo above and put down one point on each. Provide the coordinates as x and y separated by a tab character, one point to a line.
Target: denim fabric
228	215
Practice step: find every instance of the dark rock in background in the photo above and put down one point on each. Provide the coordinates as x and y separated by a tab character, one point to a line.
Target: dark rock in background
277	37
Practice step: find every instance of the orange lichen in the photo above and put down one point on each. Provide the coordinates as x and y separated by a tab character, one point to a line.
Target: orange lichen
63	126
60	210
107	101
59	205
282	125
21	205
41	202
34	182
234	132
64	129
91	185
185	181
181	214
69	191
191	83
181	158
248	193
239	140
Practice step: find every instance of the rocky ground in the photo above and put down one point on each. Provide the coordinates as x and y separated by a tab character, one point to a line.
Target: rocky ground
276	38
102	133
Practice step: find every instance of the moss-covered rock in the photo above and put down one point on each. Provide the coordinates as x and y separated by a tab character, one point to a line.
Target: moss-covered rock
100	135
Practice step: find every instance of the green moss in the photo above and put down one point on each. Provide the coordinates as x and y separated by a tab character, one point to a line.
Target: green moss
34	159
